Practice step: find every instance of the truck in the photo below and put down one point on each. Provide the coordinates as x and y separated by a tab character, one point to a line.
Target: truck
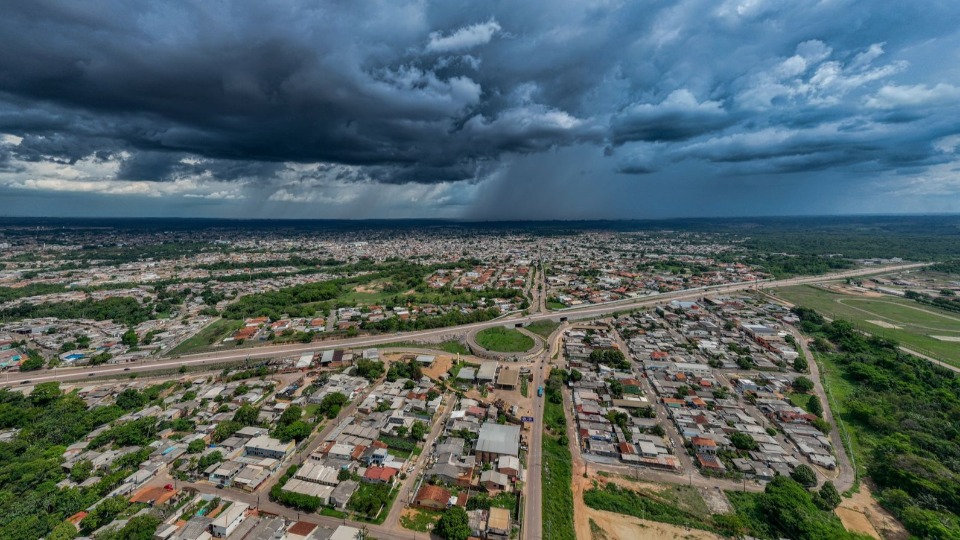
540	391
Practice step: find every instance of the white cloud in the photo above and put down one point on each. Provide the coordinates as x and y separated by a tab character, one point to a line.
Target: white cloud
893	96
464	38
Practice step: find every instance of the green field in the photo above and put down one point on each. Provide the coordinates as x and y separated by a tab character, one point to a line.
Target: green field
452	347
499	339
214	333
543	328
908	322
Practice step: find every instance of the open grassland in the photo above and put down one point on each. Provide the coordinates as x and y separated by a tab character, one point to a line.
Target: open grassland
910	323
557	476
543	328
214	333
505	340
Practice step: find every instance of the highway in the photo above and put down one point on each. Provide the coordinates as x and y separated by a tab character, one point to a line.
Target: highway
236	355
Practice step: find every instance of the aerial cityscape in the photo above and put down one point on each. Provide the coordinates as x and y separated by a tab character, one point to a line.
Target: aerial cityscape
589	270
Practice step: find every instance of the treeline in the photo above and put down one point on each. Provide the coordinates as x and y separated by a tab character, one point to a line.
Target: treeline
34	289
289	301
949	303
123	310
905	414
784	266
453	318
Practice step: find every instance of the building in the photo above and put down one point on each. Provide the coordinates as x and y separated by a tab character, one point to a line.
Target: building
263	446
497	440
494	480
509	465
433	497
224	524
342	493
508	379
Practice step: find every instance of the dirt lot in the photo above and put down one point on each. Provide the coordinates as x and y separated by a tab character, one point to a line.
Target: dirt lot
621	527
862	514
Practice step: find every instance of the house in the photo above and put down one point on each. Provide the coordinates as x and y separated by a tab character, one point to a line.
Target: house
382	475
498	524
224	474
703	445
494	480
224	524
269	447
433	497
509	465
342	493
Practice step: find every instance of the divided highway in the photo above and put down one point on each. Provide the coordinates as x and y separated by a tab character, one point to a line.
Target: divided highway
236	355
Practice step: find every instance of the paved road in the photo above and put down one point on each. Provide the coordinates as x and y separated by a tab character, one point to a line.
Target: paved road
533	508
195	360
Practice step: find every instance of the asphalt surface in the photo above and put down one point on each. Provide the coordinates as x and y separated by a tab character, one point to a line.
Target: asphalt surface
200	360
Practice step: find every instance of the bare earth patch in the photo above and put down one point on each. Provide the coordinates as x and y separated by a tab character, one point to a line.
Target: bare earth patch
862	514
952	339
884	324
621	527
365	289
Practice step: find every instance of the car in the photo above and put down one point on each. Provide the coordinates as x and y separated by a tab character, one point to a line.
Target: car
168	487
25	382
410	469
90	374
126	369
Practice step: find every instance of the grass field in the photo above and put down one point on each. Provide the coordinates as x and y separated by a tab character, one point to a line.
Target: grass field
555	305
505	340
213	333
908	322
543	328
557	476
420	519
452	347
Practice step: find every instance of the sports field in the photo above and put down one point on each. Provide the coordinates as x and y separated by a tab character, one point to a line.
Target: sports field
926	329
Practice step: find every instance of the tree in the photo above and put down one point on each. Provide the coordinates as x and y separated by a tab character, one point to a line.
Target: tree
401	431
129	338
63	531
575	375
804	475
343	475
291	415
453	524
369	369
800	364
828	498
196	446
81	470
802	384
743	441
33	362
247	415
45	393
814	406
209	459
298	431
418	430
130	399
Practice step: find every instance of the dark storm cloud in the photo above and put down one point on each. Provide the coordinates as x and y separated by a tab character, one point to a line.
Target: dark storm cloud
417	92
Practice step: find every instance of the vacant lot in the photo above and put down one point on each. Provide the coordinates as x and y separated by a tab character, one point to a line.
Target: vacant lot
908	322
213	334
500	339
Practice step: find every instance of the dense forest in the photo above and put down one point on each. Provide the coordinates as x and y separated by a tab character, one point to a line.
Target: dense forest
123	310
905	416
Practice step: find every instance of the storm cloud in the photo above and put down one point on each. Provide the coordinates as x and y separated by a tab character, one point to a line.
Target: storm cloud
323	108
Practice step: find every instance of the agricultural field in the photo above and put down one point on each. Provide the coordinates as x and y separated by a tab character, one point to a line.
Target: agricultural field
923	328
505	340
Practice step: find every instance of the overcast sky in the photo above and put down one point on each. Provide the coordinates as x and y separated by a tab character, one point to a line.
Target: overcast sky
479	110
